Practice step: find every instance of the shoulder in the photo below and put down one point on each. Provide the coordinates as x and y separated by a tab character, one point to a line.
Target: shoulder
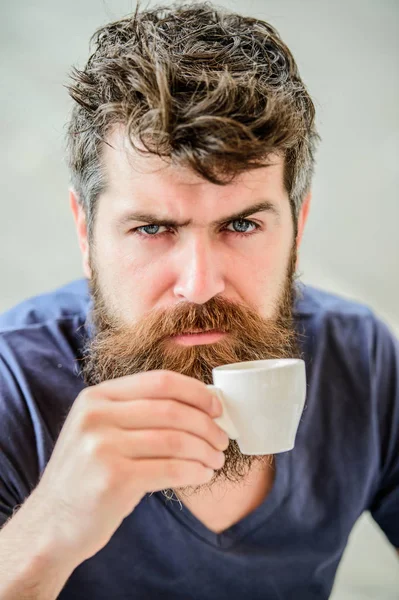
45	330
41	340
70	300
328	317
315	302
345	343
350	348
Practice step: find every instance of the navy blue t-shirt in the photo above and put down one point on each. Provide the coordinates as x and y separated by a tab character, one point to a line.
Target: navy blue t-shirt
345	461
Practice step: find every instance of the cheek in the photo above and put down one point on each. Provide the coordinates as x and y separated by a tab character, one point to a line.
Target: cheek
260	281
133	282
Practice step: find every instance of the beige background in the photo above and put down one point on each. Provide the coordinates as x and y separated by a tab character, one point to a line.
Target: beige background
347	52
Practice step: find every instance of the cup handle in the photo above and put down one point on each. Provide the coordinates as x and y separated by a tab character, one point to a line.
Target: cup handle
224	421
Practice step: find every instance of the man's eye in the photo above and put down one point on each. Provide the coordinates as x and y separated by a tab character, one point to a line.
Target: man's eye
151	230
239	226
242	226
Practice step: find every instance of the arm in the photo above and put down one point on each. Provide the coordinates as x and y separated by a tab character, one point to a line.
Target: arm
121	440
384	506
33	566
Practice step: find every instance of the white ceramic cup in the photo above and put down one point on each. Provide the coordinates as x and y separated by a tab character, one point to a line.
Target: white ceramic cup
262	402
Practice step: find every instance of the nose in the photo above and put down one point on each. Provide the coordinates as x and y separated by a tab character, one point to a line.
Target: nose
199	278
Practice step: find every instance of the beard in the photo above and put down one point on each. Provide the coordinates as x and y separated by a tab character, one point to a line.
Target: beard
117	349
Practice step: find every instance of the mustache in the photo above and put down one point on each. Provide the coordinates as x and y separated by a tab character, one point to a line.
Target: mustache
218	314
119	349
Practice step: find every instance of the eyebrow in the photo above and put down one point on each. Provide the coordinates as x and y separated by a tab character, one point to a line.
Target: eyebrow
265	206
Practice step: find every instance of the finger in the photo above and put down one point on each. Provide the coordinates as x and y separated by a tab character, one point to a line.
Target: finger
154	475
161	414
162	384
167	443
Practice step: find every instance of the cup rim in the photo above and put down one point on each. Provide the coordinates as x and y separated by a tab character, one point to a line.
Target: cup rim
259	365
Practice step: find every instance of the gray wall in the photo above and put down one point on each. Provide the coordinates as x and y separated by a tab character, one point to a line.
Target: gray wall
347	52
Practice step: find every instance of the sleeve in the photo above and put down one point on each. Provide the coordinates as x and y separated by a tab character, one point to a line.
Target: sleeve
384	505
18	453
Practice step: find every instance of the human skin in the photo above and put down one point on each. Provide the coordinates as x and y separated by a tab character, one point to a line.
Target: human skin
139	273
49	535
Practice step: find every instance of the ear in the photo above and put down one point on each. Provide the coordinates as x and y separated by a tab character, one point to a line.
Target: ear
81	229
302	218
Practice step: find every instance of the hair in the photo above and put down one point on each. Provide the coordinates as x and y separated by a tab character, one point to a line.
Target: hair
197	85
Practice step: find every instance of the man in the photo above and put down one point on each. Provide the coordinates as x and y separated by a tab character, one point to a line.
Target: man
191	148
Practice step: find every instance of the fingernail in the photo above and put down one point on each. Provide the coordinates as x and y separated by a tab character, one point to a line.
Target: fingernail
224	441
216	406
221	459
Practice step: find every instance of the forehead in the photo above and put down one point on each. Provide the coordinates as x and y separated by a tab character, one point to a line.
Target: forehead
131	178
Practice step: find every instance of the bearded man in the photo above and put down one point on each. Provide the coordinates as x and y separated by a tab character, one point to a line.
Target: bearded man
191	148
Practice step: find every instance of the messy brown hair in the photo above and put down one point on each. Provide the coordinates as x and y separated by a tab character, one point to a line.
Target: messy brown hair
199	86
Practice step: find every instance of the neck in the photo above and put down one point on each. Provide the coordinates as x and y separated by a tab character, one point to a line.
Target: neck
225	503
260	474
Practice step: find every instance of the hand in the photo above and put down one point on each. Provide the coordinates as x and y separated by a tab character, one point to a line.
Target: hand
123	438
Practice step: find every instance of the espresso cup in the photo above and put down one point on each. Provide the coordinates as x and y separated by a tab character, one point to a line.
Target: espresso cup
262	402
